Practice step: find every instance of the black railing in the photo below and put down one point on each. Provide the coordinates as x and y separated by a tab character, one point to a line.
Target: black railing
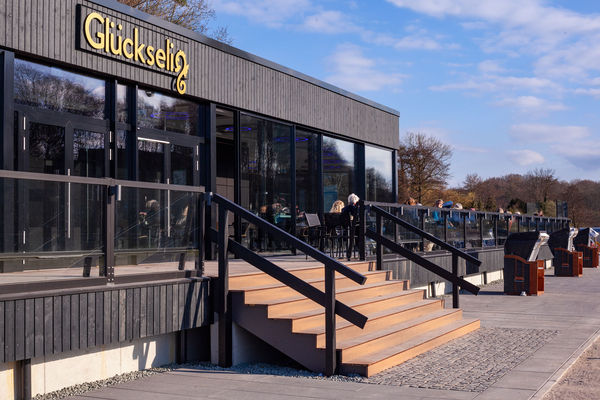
381	242
327	299
465	228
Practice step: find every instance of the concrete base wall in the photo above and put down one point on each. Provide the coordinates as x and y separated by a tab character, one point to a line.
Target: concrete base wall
7	381
54	372
445	287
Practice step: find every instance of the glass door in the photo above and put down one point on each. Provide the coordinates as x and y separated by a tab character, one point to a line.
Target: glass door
59	216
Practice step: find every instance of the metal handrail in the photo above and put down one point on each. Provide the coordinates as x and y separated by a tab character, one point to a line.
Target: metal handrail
382	241
327	299
425	235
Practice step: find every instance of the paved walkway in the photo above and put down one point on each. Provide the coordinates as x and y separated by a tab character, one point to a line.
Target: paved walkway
569	310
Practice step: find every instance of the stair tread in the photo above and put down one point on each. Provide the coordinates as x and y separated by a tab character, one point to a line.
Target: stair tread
353	303
291	269
372	358
371	316
337	291
310	280
358	340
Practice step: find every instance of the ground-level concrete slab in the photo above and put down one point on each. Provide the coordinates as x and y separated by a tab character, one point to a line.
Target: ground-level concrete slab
570	308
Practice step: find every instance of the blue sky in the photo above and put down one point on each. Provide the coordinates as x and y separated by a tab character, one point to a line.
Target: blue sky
512	85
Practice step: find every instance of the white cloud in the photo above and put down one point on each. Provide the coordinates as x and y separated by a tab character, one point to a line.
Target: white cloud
273	13
352	70
490	67
471	149
525	157
531	104
328	22
553	134
595	92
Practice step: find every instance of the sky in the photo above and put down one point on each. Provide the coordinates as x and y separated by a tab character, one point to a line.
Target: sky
512	85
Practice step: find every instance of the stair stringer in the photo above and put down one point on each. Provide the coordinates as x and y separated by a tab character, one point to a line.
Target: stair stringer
277	333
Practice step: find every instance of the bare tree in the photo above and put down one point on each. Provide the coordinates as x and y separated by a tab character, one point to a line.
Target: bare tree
192	14
541	181
425	161
472	182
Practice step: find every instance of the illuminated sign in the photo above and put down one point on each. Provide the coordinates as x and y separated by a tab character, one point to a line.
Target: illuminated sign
110	37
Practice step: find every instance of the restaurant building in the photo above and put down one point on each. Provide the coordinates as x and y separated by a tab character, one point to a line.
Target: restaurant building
95	95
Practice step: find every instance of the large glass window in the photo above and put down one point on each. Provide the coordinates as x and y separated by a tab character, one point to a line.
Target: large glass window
266	180
46	148
122	109
54	89
378	171
225	153
155	110
88	153
338	170
307	169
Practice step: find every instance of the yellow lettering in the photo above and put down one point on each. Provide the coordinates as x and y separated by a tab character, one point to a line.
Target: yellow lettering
88	35
160	58
150	54
139	56
128	43
182	65
116	51
106	33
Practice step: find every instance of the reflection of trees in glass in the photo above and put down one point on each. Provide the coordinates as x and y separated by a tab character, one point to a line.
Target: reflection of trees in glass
337	170
46	148
162	112
379	187
49	88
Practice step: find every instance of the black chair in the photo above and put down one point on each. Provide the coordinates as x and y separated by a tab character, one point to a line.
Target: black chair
335	233
314	231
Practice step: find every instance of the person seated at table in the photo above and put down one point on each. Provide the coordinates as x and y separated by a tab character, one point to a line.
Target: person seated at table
337	207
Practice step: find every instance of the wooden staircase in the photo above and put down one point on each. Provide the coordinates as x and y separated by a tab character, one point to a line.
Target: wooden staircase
402	323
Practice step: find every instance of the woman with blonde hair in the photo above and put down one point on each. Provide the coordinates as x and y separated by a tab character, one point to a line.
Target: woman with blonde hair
337	207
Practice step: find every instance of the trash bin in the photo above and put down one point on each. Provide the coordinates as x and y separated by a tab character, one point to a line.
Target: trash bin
523	267
586	242
567	261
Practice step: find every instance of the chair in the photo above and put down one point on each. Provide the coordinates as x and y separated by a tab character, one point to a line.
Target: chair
314	231
334	233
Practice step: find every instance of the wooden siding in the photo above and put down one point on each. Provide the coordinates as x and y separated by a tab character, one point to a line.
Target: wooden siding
37	326
48	29
491	260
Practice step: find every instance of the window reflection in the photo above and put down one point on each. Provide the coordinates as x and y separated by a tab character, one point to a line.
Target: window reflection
155	110
122	109
88	153
266	180
58	90
152	160
122	159
307	169
378	171
46	148
338	170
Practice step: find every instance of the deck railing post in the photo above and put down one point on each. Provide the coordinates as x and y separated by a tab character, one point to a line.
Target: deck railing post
199	264
224	325
108	269
379	248
362	218
454	285
330	342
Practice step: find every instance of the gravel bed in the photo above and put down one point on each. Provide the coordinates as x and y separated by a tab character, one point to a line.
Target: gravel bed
471	363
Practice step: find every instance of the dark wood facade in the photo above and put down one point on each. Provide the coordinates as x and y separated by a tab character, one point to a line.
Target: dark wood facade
50	323
49	30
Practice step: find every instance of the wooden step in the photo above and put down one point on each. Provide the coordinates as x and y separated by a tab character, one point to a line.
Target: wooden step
254	279
363	305
380	320
375	362
316	318
393	335
300	307
260	294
